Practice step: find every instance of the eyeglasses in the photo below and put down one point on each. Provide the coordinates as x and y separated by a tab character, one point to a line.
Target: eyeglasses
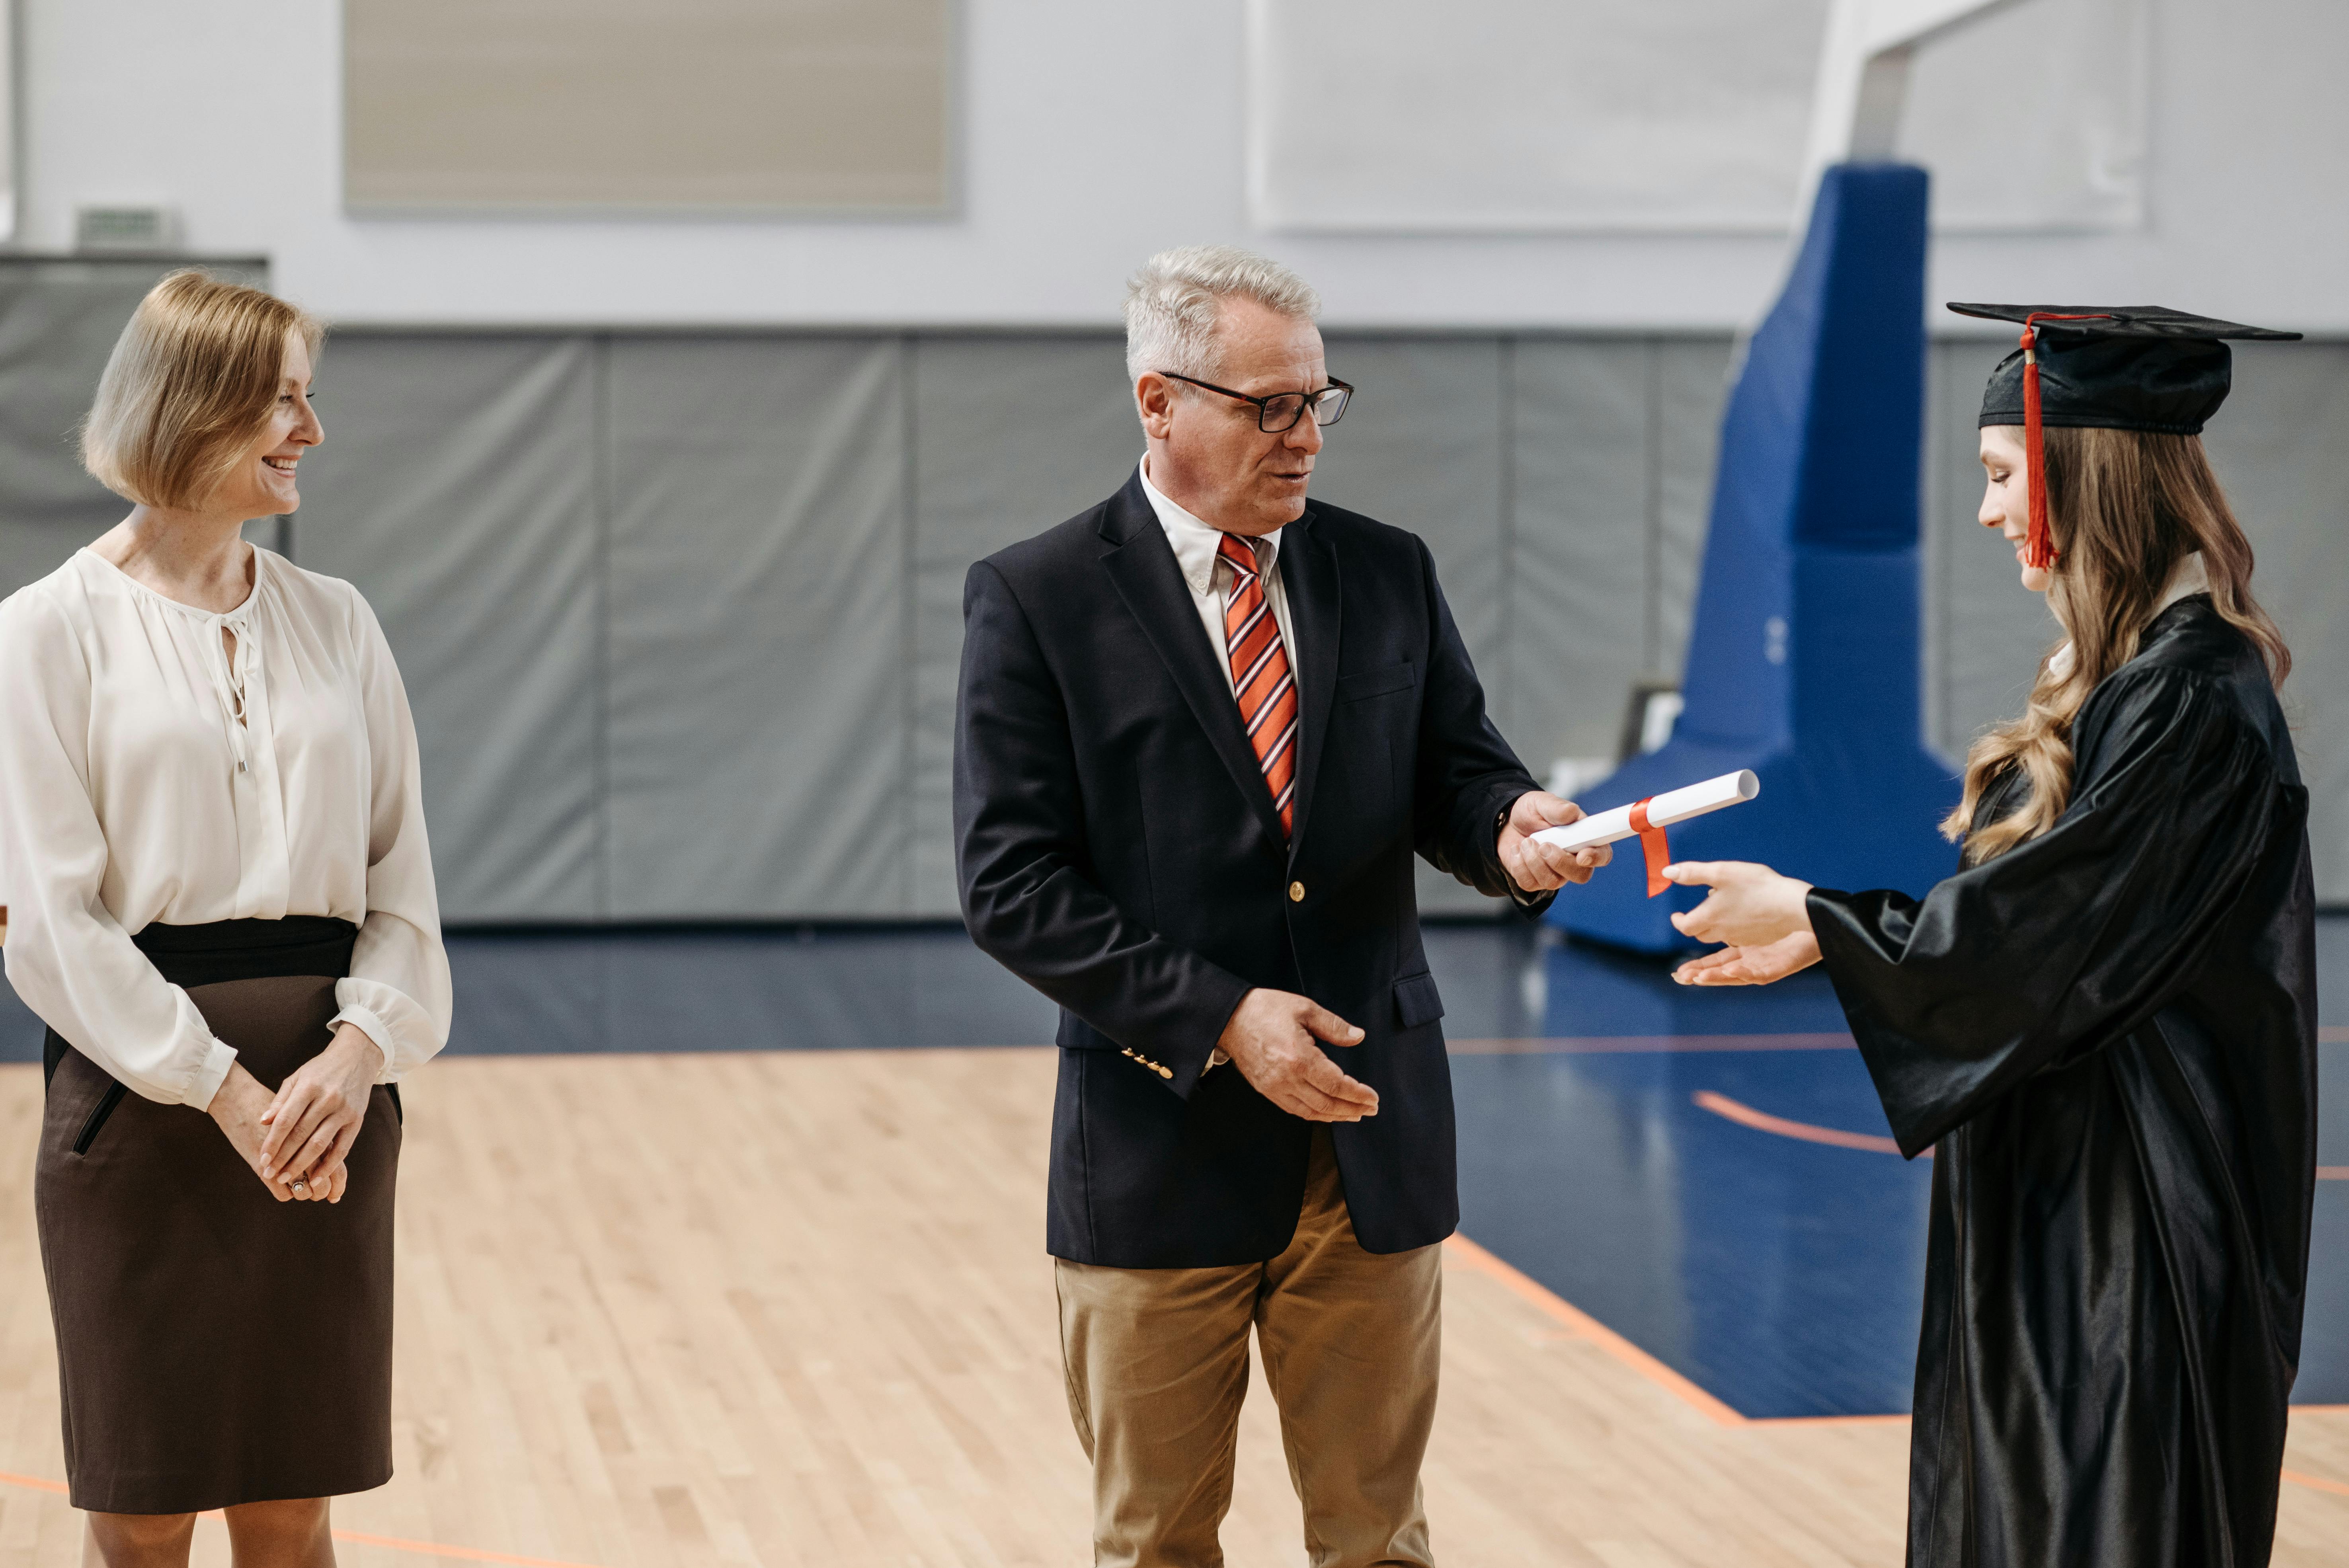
1282	410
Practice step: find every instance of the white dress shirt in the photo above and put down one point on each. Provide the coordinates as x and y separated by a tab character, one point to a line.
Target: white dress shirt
1211	579
145	776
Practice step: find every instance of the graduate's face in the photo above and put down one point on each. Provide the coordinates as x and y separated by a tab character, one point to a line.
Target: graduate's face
2006	500
1206	452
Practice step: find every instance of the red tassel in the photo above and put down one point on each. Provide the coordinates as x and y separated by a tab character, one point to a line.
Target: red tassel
2039	548
1651	841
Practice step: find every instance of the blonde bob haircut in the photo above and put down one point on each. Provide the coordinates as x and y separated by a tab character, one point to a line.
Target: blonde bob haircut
190	383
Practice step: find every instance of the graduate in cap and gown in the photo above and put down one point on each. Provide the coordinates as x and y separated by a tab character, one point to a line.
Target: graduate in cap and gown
2104	1024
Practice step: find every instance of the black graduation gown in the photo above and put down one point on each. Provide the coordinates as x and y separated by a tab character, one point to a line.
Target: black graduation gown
2108	1037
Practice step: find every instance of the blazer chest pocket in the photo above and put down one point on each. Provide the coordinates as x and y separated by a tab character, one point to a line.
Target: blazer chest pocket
1377	682
1417	1001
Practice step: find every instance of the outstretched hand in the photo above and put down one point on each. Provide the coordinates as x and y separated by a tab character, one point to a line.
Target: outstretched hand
1751	966
1273	1038
1761	915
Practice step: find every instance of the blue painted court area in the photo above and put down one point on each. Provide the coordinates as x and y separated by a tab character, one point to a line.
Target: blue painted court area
1780	1273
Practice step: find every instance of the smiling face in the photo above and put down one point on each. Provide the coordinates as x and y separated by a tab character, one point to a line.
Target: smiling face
1206	454
263	483
2006	500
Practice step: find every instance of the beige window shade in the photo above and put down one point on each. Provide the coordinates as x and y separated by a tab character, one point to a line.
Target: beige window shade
648	106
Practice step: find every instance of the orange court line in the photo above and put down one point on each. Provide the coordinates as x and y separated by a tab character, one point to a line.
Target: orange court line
2332	1173
1608	1044
1469	1255
2332	1034
2317	1482
33	1483
1763	1121
352	1537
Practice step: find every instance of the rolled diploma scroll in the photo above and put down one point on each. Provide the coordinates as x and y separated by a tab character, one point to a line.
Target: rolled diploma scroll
1664	810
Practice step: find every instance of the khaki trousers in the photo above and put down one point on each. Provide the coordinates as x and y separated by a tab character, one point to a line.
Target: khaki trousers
1157	1366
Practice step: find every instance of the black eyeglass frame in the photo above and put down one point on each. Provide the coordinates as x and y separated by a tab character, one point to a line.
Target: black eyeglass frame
1264	404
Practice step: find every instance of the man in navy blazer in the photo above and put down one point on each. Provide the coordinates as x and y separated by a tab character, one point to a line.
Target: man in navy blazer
1203	728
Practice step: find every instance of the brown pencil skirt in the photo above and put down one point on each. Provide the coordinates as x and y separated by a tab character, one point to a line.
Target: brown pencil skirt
215	1346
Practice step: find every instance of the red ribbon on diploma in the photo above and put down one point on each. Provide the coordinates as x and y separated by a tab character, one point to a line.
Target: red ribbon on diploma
1652	839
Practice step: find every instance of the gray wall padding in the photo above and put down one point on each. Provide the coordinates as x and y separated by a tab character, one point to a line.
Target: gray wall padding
1422	448
758	722
2282	449
1011	436
1613	448
457	488
1692	386
1582	558
58	322
680	614
1984	633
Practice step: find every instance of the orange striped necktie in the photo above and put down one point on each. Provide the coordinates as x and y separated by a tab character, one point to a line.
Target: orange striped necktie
1260	676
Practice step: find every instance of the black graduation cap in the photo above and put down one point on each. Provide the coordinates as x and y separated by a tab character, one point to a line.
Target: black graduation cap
2118	367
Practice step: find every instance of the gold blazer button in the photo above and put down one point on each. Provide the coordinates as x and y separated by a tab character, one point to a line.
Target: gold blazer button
1296	893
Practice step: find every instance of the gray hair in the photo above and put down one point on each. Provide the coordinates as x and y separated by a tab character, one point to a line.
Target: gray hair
1172	302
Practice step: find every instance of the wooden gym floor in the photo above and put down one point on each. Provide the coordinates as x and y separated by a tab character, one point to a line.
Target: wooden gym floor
791	1307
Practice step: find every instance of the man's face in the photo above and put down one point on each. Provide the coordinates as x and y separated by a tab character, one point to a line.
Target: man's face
1206	453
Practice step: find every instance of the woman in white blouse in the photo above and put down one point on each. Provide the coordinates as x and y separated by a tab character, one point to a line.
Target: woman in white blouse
220	900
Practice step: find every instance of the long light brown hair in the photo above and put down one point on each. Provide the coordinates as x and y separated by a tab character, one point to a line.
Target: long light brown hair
189	386
2125	507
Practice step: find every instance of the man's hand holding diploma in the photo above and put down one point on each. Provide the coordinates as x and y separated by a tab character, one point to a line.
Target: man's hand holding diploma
1536	866
1761	914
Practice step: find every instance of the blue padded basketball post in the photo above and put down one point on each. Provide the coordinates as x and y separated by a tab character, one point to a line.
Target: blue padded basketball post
1803	661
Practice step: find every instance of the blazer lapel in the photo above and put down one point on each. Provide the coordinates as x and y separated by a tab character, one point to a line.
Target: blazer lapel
1309	576
1141	566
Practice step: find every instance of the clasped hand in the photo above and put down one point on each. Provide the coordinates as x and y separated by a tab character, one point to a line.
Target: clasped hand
297	1140
1761	915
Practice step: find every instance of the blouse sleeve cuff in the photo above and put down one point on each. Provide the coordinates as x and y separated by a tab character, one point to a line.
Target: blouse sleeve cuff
210	1076
399	1028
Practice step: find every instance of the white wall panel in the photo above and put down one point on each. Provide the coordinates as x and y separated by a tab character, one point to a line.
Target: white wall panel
1094	134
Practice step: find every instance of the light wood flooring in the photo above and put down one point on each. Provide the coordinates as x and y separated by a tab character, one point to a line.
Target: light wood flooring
792	1309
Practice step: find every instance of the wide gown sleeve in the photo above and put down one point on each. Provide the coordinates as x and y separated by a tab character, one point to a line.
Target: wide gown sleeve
397	992
1026	897
2070	940
69	958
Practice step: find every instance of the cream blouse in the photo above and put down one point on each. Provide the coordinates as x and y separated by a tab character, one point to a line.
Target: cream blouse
131	791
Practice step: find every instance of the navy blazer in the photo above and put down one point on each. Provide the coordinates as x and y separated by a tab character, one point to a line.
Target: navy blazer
1119	851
